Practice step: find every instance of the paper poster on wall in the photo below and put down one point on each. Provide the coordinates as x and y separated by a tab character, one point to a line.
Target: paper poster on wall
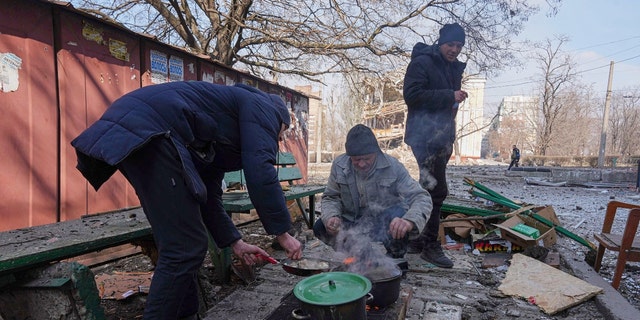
118	50
208	77
9	75
92	33
176	69
219	77
159	67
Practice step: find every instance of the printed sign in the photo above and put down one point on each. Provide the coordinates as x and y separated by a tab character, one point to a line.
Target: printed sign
9	76
159	67
176	69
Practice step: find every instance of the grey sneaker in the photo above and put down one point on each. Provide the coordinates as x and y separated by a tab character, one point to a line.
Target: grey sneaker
433	253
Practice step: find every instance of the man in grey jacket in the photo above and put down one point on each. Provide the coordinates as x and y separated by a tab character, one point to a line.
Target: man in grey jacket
373	193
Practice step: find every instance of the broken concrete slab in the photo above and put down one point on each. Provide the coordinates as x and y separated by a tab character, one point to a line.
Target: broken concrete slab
60	291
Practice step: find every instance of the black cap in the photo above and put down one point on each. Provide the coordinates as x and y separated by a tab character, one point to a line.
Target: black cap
451	32
361	141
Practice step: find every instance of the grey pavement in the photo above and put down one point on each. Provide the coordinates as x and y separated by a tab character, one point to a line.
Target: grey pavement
465	291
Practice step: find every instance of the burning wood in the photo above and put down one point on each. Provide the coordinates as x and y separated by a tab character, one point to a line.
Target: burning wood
349	260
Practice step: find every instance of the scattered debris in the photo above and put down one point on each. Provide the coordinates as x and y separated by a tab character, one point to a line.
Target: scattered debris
121	285
545	182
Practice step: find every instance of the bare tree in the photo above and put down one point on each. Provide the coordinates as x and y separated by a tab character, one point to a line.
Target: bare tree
504	134
624	124
557	74
314	37
574	134
468	128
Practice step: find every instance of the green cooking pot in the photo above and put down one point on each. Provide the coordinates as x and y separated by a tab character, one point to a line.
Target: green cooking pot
333	296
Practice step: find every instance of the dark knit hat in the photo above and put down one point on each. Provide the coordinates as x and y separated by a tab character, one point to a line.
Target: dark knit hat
361	141
451	32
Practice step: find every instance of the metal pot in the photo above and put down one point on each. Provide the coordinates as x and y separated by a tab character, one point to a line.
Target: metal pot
333	296
385	286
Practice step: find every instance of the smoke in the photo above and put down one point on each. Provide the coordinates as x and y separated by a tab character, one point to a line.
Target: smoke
360	244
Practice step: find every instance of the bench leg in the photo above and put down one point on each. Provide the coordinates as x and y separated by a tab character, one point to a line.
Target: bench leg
221	259
311	215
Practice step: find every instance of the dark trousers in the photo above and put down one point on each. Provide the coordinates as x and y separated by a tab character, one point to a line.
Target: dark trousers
514	162
376	230
433	178
179	233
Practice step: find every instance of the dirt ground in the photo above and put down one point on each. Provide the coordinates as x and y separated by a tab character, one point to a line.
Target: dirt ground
579	209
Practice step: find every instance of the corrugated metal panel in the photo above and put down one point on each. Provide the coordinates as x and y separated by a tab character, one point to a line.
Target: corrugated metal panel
93	63
97	64
28	116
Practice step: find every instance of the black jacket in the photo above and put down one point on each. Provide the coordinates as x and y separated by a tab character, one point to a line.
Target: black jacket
429	85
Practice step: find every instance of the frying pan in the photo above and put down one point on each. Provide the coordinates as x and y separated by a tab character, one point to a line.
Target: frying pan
306	266
303	267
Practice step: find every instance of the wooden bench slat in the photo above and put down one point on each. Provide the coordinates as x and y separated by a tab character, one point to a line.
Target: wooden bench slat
285	166
294	192
289	174
285	174
285	159
22	248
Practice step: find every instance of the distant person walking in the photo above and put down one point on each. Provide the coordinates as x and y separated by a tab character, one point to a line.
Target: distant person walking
515	157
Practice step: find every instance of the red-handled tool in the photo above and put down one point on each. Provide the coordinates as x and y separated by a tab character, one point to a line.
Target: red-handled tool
267	259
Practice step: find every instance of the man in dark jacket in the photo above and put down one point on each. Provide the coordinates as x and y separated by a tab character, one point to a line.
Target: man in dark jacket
174	142
515	157
432	93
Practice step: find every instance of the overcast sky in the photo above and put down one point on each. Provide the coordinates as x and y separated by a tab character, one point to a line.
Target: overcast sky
599	31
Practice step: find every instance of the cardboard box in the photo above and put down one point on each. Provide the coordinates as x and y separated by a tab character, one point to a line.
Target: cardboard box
547	236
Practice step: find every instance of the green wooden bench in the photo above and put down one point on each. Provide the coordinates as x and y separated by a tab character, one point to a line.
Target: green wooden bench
288	173
27	251
27	248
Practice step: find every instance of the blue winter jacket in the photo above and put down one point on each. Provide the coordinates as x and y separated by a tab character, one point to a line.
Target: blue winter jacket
215	129
429	86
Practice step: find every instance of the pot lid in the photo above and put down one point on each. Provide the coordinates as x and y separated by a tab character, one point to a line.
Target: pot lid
332	288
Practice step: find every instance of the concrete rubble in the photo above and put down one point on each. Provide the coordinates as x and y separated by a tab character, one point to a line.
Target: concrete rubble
469	291
464	292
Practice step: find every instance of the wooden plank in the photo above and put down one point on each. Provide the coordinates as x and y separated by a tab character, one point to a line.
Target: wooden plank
285	159
289	174
234	177
294	192
284	174
105	255
285	162
28	247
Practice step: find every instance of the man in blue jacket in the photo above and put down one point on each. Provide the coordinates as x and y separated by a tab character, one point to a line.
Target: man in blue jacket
432	93
174	142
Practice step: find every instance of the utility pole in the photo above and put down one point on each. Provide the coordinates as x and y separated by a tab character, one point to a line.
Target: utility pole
605	120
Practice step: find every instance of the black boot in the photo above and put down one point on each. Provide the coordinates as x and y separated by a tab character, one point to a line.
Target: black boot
415	246
432	252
